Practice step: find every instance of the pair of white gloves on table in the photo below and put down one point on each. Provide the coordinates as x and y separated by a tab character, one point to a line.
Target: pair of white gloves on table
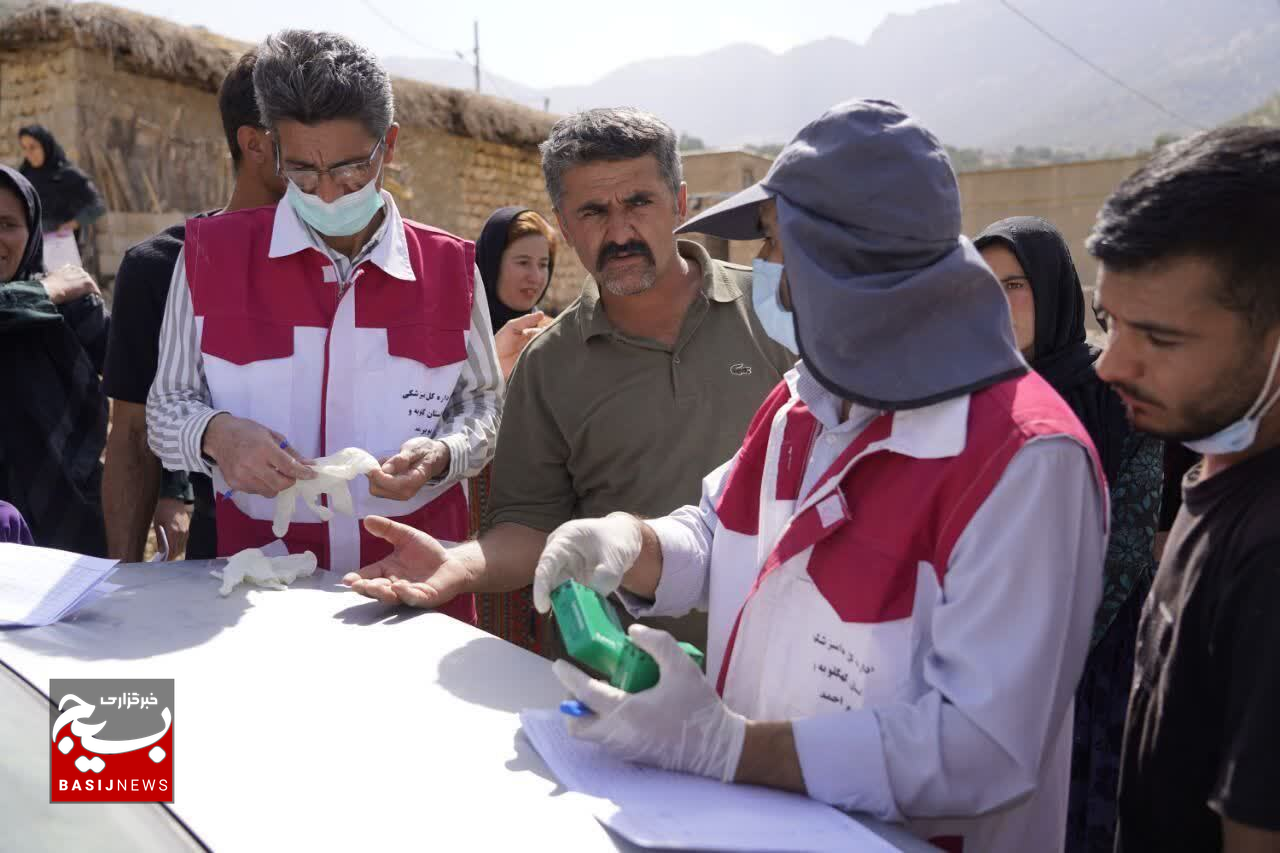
680	723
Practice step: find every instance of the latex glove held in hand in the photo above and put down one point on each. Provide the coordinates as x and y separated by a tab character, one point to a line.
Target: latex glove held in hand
332	475
678	724
595	552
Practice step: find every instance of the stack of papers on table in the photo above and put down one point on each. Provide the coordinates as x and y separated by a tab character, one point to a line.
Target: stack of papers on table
39	586
658	809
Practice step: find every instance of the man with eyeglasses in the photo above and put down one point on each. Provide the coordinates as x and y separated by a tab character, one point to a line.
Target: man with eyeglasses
326	322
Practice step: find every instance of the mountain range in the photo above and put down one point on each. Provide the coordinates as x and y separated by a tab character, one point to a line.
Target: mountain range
974	71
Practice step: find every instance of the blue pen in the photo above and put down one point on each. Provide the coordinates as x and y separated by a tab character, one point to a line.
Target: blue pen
574	708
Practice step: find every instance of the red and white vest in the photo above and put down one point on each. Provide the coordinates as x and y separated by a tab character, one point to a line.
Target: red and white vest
822	602
371	369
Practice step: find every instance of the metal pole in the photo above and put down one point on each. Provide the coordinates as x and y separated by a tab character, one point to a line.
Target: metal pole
477	51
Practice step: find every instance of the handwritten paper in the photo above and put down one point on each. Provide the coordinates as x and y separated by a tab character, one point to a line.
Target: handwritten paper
39	586
659	809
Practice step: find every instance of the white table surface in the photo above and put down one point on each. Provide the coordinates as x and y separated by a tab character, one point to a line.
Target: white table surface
314	719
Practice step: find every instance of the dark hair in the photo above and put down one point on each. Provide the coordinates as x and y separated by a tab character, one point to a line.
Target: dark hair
54	156
311	77
621	133
1215	195
238	103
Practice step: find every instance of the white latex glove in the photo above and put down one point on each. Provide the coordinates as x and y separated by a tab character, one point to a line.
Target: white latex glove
595	552
274	572
678	724
332	475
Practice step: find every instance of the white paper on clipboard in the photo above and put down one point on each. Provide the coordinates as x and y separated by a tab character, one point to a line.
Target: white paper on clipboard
60	250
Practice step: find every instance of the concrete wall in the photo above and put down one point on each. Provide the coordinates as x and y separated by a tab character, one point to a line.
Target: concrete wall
723	171
1068	195
714	175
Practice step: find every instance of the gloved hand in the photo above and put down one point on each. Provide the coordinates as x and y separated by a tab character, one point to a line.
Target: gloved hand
678	724
595	552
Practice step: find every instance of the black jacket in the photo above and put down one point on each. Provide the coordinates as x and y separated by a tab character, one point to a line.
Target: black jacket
54	425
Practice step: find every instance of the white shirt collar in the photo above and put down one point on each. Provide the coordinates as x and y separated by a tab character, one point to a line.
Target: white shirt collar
930	432
290	235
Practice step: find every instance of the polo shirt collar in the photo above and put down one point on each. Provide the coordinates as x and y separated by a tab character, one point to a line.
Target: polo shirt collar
930	432
290	235
717	286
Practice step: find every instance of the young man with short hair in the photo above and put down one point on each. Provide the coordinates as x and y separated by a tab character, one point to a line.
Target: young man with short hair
1189	280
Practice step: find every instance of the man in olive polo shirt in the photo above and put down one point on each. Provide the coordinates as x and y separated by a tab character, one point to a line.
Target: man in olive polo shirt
638	389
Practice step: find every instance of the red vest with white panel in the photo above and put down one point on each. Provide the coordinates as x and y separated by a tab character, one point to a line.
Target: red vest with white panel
839	585
371	368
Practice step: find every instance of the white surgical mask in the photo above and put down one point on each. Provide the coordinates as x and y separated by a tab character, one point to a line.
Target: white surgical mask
766	297
341	217
1239	436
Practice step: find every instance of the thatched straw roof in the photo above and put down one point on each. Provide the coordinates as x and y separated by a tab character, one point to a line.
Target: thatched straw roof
154	47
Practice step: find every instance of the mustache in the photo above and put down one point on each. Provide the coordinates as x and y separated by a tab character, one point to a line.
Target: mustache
1130	391
613	250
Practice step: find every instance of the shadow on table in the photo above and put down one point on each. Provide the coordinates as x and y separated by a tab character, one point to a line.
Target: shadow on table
159	608
492	672
372	612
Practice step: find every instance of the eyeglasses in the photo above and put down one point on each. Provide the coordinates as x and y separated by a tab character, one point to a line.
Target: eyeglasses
350	176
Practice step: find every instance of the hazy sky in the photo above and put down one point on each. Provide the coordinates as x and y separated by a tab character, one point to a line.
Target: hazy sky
546	43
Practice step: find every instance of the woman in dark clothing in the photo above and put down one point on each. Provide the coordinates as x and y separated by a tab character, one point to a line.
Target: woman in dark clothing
68	199
55	421
1034	265
516	254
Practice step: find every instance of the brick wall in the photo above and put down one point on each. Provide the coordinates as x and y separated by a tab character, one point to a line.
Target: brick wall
38	85
157	152
456	182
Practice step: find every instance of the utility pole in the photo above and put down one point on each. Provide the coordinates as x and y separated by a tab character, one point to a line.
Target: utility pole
546	105
477	53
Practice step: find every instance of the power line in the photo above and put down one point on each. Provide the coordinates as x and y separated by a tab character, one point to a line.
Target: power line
1104	72
453	54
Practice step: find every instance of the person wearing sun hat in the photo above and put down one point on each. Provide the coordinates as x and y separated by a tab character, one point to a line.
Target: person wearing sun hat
893	628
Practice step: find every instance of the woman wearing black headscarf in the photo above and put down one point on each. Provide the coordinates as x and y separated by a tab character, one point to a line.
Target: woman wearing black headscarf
68	198
55	413
1034	265
516	254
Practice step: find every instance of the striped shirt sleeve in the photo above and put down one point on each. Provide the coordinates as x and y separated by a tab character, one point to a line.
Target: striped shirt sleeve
179	403
469	423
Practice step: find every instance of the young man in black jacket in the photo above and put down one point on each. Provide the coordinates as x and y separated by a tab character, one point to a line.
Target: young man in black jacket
134	490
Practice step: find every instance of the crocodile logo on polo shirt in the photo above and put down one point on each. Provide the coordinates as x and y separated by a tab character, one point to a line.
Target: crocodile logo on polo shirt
740	369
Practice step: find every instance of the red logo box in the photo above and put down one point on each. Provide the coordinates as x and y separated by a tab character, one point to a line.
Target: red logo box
111	740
